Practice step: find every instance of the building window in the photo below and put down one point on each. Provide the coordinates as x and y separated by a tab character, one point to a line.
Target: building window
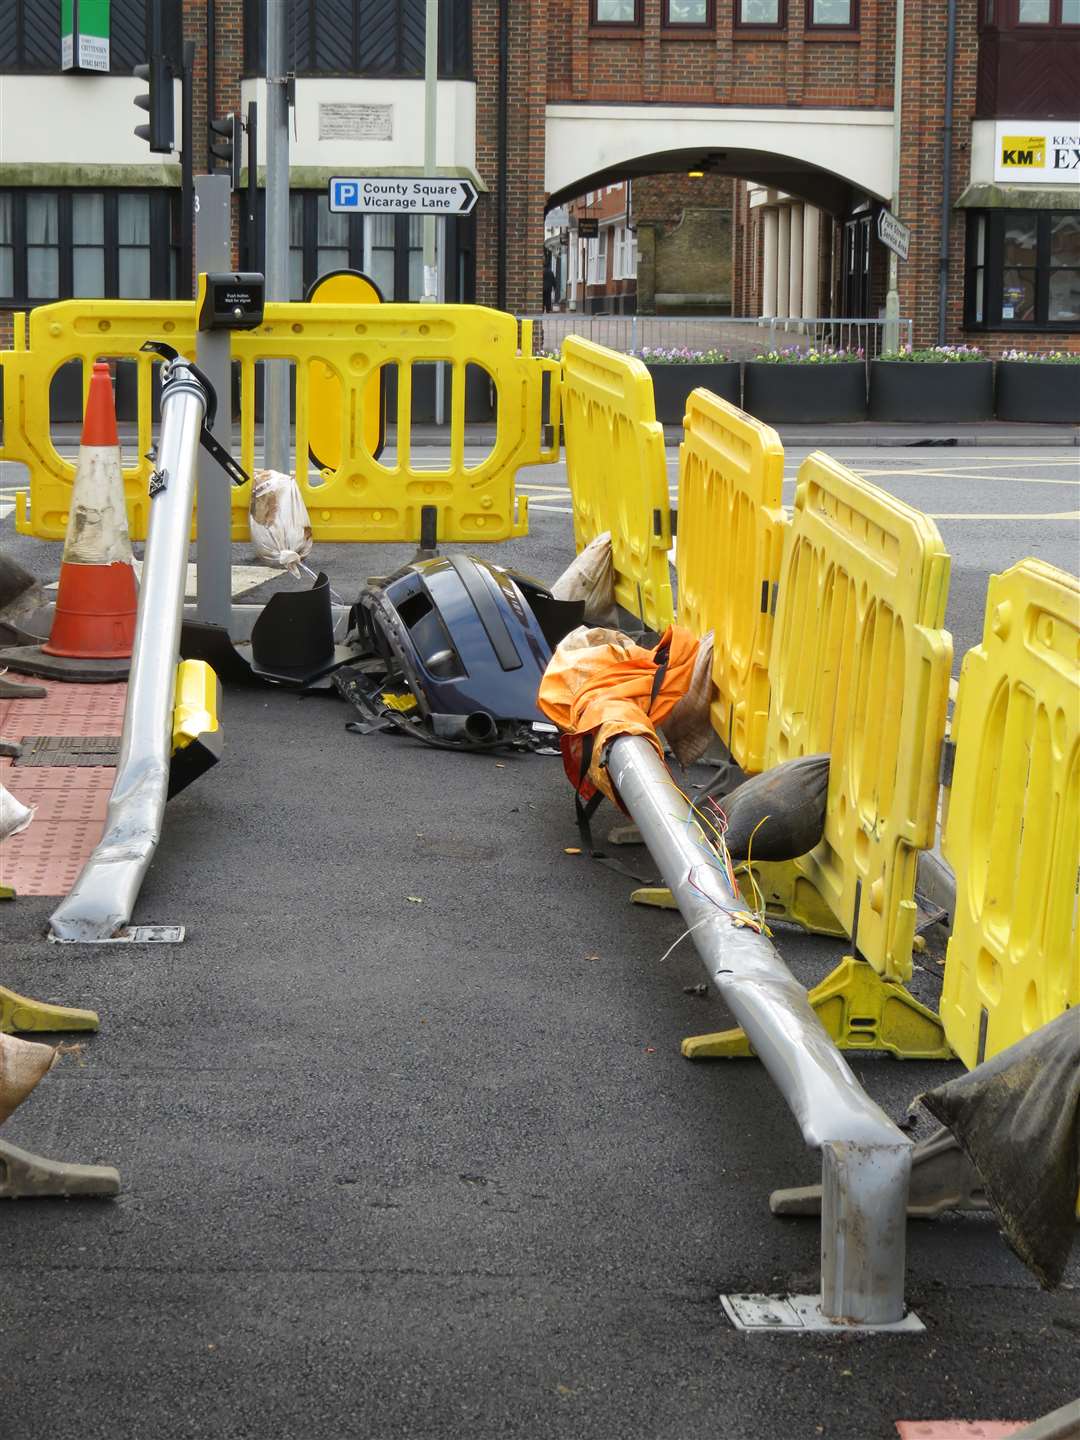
762	14
1047	12
112	244
363	37
616	12
389	249
1023	270
596	271
624	262
7	245
832	14
379	252
688	12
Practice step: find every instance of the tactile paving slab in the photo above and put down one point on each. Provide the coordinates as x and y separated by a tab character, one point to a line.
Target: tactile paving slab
66	750
70	800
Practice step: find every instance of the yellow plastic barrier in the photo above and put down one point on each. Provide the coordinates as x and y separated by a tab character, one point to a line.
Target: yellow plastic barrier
342	287
860	668
731	531
1013	830
617	471
363	498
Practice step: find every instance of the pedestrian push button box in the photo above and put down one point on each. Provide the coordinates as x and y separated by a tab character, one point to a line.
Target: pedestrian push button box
232	301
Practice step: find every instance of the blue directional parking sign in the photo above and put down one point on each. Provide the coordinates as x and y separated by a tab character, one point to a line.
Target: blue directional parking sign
401	195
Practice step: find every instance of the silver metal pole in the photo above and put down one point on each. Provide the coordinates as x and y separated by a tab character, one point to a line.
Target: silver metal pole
431	125
276	414
213	352
433	283
866	1160
891	336
104	895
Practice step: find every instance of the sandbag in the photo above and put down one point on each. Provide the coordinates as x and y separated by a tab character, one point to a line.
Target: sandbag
590	577
788	802
14	815
22	1064
688	729
1017	1118
280	524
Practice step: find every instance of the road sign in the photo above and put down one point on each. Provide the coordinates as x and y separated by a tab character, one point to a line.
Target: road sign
893	233
401	195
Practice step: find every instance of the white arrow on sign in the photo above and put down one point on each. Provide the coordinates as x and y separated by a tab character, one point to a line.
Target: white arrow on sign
401	195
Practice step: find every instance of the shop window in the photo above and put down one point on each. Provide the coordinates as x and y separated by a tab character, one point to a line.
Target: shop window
616	12
760	14
1023	270
689	13
832	14
58	244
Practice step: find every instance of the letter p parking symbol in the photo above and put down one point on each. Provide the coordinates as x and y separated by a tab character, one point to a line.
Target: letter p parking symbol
344	194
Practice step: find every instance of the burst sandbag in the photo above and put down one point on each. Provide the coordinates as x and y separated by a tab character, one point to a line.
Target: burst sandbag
1017	1118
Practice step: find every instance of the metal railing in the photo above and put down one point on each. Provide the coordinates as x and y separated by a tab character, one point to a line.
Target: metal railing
739	338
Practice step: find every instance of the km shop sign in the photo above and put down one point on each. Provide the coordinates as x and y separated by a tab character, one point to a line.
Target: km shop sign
1038	152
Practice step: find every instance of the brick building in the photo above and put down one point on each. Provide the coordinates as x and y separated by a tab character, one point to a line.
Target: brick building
782	110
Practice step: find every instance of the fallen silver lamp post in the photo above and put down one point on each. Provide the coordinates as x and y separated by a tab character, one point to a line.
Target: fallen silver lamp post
103	897
866	1159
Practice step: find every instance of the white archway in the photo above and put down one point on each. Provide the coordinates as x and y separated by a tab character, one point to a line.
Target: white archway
819	155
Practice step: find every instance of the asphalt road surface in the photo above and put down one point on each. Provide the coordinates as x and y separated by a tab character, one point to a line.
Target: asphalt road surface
407	1143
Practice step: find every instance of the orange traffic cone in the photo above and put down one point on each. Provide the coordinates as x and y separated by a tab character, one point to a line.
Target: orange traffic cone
94	621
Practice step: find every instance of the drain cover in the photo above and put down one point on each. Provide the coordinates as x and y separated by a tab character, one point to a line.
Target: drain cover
62	751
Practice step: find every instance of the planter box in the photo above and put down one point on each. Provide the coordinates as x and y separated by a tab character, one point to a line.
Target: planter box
673	383
906	390
1037	390
804	394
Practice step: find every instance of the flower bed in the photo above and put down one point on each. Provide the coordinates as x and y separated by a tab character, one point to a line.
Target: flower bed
675	372
940	383
1038	387
795	386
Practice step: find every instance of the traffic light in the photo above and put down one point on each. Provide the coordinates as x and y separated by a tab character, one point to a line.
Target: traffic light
158	103
226	143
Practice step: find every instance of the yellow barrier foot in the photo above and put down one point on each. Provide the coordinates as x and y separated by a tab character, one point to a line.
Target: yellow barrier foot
860	1011
25	1176
658	896
19	1012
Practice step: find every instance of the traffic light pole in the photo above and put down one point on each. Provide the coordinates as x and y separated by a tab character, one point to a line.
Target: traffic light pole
276	414
213	544
187	172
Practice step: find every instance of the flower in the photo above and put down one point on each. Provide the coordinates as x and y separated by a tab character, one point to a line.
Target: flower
1044	357
679	355
935	354
826	355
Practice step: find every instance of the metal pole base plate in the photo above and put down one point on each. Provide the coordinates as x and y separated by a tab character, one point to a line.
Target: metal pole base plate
32	660
132	935
795	1313
24	1176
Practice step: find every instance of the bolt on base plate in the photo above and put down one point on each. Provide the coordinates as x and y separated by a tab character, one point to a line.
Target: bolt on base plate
802	1312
